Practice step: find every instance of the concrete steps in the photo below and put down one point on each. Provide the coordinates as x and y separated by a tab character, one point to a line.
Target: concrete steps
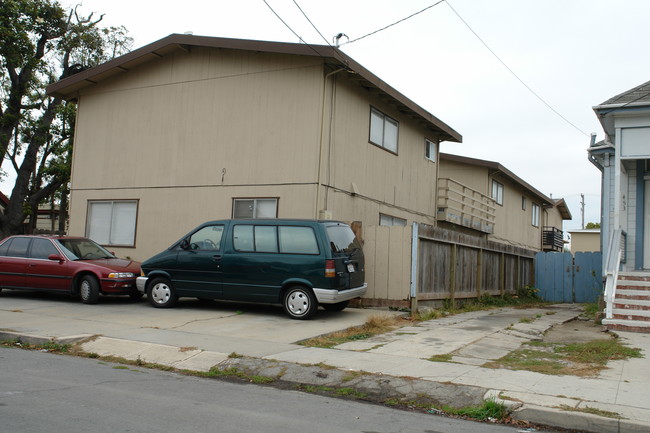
631	309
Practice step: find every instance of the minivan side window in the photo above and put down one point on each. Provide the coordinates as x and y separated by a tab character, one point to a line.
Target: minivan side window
207	239
266	239
342	239
260	239
297	240
242	238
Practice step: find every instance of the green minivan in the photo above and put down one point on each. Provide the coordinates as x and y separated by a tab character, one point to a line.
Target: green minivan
300	264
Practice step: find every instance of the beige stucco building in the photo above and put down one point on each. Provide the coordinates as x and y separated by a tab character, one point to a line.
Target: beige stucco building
586	240
190	128
509	209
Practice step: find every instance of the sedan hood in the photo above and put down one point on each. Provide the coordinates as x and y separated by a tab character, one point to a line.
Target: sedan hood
120	265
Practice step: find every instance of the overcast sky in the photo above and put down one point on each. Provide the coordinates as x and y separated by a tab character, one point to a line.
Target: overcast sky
573	54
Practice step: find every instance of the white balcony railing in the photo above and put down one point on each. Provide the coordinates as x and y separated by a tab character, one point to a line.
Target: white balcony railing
462	205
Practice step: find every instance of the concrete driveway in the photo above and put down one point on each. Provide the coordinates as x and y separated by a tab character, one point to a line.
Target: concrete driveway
247	329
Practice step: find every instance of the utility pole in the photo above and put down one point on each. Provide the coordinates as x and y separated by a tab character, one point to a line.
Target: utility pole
582	209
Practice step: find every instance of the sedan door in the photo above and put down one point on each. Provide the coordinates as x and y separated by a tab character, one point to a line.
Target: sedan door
13	263
43	273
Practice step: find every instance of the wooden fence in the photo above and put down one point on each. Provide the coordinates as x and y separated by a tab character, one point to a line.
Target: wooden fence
452	266
449	265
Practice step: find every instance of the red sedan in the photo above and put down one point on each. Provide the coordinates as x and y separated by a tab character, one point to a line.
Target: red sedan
65	264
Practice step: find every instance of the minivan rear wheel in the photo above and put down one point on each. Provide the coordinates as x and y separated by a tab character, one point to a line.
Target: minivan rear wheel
339	306
161	293
299	303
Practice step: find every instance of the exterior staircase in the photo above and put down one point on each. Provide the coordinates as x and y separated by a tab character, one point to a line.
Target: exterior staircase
631	309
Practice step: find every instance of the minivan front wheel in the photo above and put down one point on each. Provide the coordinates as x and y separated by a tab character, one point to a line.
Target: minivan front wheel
161	294
299	303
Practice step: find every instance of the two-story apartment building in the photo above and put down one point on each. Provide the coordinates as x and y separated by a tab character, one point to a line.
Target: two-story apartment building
191	128
484	198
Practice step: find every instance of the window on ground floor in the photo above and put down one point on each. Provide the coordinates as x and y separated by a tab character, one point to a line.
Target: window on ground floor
387	220
255	208
112	222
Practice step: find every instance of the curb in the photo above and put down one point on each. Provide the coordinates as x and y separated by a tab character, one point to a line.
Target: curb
576	420
40	339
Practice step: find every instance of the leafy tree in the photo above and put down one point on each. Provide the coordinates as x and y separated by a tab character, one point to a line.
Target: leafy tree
592	226
41	43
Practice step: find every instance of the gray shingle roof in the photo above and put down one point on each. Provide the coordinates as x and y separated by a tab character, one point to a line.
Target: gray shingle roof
637	95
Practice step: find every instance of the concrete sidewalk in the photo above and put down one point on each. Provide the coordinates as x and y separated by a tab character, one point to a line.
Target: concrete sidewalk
199	337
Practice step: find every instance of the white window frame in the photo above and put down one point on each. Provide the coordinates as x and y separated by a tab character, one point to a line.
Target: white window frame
523	202
385	141
430	149
391	221
107	232
255	203
535	217
497	192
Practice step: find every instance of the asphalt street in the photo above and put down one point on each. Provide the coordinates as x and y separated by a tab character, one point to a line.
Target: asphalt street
44	392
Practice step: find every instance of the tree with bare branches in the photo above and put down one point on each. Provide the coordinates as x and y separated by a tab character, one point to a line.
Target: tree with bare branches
41	43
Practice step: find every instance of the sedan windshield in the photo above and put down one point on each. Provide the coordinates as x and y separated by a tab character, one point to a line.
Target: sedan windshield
83	249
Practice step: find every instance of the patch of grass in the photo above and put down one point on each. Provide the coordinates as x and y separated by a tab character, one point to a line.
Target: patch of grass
345	392
350	393
599	351
235	372
578	359
441	358
188	349
526	320
351	375
593	411
50	346
490	409
120	367
591	310
235	355
377	324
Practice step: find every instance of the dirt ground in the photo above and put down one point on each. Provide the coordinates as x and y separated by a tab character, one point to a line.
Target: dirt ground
576	331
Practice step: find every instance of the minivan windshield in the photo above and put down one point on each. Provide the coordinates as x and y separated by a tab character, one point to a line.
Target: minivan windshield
342	239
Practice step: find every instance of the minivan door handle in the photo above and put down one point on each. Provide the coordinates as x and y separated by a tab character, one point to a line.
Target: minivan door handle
217	258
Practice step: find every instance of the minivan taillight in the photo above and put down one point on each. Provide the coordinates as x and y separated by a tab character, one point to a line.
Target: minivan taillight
330	269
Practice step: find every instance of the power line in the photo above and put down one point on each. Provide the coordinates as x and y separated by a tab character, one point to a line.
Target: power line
513	72
292	31
312	24
395	23
336	51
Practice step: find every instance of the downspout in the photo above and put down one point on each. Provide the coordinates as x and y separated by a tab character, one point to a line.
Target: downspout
321	141
604	222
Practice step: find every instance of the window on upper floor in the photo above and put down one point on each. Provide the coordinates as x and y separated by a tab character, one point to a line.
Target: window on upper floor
383	130
430	150
497	192
535	217
112	222
523	203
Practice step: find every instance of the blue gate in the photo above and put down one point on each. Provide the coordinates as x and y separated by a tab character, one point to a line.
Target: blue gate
561	277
